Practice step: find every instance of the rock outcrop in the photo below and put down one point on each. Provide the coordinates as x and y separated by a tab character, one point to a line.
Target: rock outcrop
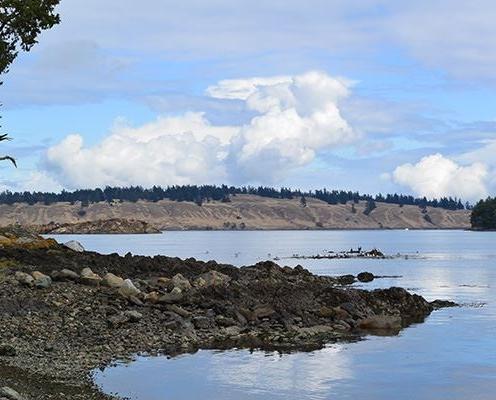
101	226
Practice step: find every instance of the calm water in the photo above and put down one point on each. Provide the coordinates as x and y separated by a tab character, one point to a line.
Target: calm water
450	356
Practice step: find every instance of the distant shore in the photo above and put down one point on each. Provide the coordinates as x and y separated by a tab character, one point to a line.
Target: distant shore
244	212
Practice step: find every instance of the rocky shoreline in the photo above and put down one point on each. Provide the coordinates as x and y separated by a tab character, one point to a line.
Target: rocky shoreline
101	226
64	312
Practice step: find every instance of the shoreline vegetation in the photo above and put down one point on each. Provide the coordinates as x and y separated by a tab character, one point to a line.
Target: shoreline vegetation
65	311
483	216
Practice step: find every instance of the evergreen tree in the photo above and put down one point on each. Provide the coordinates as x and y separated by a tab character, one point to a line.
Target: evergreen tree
484	214
303	201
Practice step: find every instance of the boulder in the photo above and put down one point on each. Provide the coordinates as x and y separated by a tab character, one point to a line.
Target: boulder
88	277
180	282
24	279
163	282
172	297
112	281
152	297
10	394
41	281
212	278
128	289
199	282
75	246
365	277
65	275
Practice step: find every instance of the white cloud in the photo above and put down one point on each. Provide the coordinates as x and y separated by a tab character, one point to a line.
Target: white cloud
40	181
299	117
140	156
435	176
296	118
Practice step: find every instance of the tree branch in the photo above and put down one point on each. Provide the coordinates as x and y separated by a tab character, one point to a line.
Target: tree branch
8	158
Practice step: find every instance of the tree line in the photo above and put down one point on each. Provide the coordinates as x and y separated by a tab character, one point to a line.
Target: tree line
205	193
484	214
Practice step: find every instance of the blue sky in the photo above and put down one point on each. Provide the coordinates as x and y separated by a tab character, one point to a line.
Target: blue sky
376	96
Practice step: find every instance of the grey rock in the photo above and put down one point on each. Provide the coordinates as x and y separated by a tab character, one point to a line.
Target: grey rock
24	279
128	289
10	394
41	281
88	277
212	278
75	246
112	281
170	298
180	282
65	275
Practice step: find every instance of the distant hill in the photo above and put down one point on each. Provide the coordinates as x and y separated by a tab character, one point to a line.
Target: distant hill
243	211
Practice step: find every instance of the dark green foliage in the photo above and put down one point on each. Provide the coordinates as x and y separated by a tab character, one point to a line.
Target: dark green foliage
484	214
21	21
224	193
303	201
370	206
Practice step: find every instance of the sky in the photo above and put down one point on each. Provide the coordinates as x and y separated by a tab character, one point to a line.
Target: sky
370	95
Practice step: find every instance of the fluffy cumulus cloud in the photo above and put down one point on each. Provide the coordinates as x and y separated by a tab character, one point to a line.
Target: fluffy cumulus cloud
295	118
298	117
435	176
166	151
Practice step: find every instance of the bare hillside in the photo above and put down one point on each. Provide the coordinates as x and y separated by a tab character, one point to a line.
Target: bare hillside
244	212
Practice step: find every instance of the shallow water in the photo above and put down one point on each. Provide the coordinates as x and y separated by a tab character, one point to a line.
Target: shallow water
450	356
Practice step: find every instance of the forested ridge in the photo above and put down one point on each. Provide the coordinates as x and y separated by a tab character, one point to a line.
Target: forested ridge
484	215
205	193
